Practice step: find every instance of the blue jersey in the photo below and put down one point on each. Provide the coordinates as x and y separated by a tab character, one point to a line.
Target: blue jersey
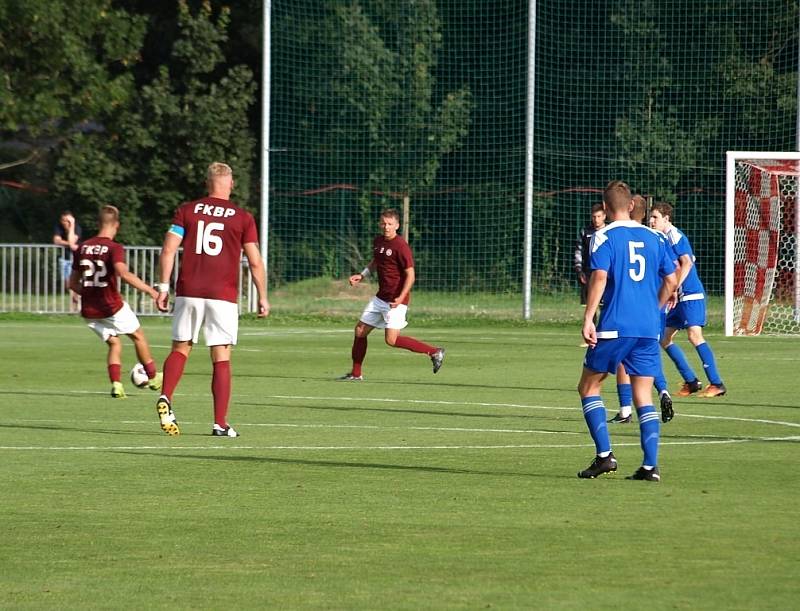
635	258
691	288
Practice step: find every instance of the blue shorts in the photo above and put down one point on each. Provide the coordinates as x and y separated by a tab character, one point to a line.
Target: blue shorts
640	355
687	314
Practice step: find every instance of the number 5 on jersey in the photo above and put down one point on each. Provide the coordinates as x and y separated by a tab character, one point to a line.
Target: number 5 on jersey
636	261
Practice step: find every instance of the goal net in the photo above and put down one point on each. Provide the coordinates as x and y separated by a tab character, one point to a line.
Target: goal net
762	278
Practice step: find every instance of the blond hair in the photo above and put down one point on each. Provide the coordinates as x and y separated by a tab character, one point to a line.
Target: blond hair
217	169
108	214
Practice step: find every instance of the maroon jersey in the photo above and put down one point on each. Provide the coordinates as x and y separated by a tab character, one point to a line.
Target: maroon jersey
214	231
95	261
392	259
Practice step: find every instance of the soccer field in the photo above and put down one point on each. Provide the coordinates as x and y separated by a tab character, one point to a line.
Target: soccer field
406	491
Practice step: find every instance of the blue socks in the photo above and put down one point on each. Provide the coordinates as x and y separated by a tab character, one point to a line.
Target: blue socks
709	364
625	395
594	412
660	382
679	358
649	433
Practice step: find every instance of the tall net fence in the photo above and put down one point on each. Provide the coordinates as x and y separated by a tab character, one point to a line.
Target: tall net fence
765	291
422	106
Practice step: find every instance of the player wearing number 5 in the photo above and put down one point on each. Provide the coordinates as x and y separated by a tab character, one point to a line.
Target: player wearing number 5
97	263
214	232
634	275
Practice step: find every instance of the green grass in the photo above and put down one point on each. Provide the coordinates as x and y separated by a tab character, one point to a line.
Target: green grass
407	491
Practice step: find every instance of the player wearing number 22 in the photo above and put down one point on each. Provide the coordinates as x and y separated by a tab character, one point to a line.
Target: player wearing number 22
634	275
214	231
98	262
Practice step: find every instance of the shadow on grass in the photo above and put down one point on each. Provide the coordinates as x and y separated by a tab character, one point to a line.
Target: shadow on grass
339	464
77	429
570	415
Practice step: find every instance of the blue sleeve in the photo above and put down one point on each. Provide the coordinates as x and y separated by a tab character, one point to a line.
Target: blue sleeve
601	252
682	247
666	264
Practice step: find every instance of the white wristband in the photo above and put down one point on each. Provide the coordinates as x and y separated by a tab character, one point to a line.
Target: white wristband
365	272
162	287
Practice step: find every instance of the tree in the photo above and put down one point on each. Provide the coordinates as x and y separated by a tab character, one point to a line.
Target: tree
152	154
63	68
371	99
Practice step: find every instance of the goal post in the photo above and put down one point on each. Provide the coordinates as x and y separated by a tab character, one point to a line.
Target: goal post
762	243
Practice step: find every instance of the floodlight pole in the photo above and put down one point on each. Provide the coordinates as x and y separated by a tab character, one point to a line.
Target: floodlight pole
528	246
265	110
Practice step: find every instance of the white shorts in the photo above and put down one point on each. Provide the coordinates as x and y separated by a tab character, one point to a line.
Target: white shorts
219	320
381	315
124	321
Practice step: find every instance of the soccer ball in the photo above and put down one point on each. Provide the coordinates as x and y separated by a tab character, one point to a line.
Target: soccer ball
139	376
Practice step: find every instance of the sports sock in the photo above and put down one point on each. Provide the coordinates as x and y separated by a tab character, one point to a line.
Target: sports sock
709	363
660	382
594	412
649	432
358	352
150	370
625	395
679	358
173	370
221	391
409	343
115	372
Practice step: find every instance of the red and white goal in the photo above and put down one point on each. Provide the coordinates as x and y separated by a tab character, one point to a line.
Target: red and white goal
762	243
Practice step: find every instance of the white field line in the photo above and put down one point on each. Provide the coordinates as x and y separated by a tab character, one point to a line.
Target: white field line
530	446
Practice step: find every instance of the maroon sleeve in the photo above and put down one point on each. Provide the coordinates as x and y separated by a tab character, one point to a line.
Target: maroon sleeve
117	254
250	230
404	257
177	218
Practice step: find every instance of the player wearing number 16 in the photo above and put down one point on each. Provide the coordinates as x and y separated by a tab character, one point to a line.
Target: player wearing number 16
213	231
634	275
97	263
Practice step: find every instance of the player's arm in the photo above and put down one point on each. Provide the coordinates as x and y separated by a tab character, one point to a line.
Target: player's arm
127	276
365	273
685	265
74	281
597	284
258	273
166	262
407	284
669	284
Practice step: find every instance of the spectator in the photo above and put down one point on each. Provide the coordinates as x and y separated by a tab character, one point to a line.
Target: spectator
67	232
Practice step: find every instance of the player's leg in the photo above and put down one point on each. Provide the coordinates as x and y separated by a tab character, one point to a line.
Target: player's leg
395	322
642	363
145	357
358	352
221	390
716	388
649	428
114	365
371	317
221	331
187	318
625	396
690	382
599	361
